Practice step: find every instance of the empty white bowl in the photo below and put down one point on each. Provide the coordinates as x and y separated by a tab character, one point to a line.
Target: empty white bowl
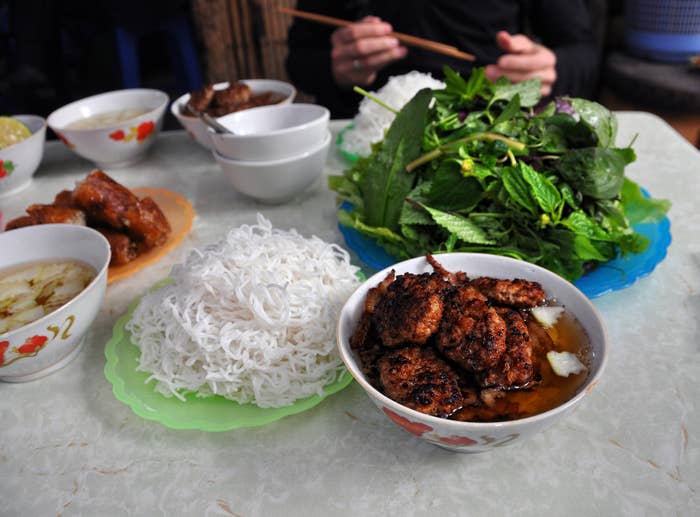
477	436
51	342
116	144
271	132
198	129
19	162
276	181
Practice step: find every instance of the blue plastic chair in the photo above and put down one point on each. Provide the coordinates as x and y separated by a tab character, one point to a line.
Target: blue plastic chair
181	47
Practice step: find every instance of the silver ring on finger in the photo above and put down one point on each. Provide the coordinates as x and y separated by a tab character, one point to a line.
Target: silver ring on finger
356	64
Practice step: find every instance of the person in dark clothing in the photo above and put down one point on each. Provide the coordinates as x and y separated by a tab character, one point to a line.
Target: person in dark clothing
326	62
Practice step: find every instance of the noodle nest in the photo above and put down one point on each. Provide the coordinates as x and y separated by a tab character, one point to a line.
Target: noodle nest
251	318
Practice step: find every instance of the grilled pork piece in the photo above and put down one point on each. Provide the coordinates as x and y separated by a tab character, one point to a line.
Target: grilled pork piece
411	309
200	99
471	333
514	293
47	214
108	203
235	94
418	379
124	250
515	367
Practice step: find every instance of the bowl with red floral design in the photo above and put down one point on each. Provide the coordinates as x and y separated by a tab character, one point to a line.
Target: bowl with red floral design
52	282
472	351
113	129
19	161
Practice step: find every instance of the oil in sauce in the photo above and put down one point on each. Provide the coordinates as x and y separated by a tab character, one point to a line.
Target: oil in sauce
552	390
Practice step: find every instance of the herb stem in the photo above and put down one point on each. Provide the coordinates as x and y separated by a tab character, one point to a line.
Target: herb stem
359	90
513	145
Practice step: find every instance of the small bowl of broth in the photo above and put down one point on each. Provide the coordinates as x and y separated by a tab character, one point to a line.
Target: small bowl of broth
471	351
52	282
113	129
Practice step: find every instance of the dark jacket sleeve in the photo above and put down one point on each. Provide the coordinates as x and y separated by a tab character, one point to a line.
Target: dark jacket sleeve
566	28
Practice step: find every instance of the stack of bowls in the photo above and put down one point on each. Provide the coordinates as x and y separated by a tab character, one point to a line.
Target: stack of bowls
273	153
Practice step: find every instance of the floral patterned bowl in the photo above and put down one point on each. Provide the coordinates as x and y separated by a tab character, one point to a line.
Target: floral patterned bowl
470	437
51	342
135	118
19	162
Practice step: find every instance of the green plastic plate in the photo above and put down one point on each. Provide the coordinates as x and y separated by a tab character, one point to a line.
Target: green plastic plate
203	413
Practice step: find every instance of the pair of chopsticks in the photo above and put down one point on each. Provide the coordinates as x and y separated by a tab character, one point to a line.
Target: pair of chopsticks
407	39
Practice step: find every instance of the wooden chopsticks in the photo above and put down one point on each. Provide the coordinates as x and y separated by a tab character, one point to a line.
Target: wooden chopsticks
414	41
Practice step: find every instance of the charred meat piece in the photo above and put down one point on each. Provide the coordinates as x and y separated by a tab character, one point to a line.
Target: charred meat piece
418	379
200	99
456	278
108	203
124	250
471	333
64	199
20	222
516	367
411	309
48	214
514	293
358	341
150	227
237	93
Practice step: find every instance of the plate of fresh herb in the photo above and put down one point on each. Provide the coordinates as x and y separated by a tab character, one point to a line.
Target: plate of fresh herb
486	167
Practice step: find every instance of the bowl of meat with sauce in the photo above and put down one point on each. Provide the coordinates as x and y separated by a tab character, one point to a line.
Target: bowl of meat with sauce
471	351
113	129
52	282
224	98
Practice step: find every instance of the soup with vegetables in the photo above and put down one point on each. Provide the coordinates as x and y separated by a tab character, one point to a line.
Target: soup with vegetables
32	290
107	118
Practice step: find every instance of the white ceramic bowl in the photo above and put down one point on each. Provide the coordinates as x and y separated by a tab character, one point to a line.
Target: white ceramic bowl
276	181
52	341
198	130
19	162
477	436
120	144
271	132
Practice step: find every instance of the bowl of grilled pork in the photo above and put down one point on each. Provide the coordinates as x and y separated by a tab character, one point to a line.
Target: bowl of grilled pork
220	99
472	351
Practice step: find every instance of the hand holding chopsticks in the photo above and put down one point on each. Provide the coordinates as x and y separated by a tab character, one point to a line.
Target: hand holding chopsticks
406	39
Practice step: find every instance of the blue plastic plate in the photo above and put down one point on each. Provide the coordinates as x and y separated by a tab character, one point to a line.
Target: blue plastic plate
614	275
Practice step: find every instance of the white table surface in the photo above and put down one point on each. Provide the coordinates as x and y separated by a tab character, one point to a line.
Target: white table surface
68	447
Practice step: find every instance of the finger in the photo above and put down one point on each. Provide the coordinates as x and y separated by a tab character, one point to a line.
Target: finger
379	60
360	30
369	64
517	44
540	59
363	47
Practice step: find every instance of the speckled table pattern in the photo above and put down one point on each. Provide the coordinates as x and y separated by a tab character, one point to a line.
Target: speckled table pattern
68	447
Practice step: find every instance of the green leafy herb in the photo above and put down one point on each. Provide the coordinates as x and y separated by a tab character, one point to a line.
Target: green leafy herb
474	167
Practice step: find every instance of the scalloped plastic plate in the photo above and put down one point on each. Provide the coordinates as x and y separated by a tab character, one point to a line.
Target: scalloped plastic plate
348	157
205	414
614	275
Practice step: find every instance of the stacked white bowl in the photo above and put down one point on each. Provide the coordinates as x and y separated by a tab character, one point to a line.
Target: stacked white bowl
273	153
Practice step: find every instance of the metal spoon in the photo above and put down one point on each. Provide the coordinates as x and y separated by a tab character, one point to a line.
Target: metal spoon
214	124
210	121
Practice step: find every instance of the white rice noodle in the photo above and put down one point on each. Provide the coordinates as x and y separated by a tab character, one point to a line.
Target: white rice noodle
372	120
251	318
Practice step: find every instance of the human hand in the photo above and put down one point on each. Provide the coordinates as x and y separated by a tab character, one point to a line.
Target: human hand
361	49
524	59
